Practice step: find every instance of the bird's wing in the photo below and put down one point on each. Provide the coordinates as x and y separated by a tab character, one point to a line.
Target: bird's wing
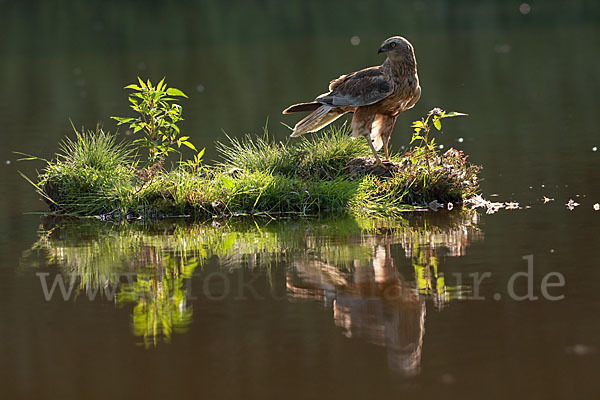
361	88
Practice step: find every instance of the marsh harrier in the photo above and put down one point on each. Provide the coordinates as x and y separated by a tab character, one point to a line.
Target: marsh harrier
376	96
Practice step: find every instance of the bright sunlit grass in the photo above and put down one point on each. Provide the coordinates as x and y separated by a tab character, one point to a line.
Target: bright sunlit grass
94	175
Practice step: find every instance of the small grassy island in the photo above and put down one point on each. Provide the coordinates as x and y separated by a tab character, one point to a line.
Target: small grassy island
326	173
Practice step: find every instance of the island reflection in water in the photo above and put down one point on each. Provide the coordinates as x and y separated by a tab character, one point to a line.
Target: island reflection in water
356	268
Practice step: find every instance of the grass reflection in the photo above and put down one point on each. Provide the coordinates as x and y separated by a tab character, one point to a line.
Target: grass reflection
160	304
352	265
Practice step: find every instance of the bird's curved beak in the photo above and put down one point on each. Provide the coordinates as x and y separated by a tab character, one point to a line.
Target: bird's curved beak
382	49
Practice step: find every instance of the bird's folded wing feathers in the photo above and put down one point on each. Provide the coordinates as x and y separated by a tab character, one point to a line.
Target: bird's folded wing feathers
361	88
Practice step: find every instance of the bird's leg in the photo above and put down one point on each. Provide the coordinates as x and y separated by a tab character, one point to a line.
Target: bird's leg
362	122
386	131
385	148
379	162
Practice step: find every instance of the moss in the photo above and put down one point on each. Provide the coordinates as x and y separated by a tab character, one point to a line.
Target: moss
323	173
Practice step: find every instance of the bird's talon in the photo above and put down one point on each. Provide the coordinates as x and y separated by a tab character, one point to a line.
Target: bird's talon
380	163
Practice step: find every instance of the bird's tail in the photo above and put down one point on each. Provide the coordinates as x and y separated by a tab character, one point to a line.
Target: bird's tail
321	117
300	107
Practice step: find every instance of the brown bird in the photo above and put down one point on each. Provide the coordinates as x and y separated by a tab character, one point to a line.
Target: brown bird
376	96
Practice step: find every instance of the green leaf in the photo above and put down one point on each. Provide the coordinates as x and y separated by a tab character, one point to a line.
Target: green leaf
200	154
142	84
453	114
159	86
175	92
132	86
437	123
123	120
227	182
143	142
188	144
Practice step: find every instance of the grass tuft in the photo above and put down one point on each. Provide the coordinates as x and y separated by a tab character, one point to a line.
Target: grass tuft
322	155
91	175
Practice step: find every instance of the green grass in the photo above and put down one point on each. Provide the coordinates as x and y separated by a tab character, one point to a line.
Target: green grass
91	175
318	156
95	175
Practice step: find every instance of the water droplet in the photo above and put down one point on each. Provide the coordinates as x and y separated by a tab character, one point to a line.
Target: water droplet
502	48
200	88
525	8
460	140
547	199
551	250
597	207
355	40
580	350
571	205
441	146
594	148
7	162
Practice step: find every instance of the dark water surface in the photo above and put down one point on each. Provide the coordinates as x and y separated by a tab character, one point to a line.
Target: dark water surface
333	308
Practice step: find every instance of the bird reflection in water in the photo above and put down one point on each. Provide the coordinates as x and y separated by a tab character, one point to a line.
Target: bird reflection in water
374	301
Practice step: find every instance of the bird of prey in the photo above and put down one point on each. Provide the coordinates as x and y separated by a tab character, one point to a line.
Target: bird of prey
375	95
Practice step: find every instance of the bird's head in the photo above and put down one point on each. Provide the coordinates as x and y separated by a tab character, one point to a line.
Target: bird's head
397	47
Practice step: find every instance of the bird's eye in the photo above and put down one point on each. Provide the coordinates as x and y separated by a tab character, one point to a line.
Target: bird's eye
392	45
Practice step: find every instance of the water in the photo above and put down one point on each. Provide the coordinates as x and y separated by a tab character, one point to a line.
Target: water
290	309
